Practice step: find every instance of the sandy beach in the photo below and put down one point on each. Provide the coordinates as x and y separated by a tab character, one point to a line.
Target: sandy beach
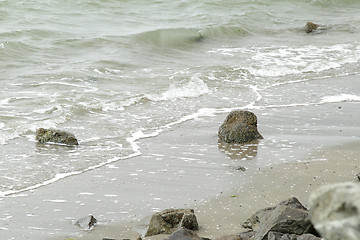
225	214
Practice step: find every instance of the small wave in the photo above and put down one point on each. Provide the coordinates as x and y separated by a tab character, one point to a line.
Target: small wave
170	37
187	36
192	89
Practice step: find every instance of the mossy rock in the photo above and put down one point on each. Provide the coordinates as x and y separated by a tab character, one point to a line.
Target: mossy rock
239	127
55	136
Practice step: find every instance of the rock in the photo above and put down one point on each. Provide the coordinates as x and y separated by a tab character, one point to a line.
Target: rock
55	136
335	211
86	223
358	176
230	237
170	220
289	216
183	234
240	127
286	236
310	27
240	168
249	235
308	236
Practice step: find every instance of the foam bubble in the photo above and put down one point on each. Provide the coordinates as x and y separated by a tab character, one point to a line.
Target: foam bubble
340	98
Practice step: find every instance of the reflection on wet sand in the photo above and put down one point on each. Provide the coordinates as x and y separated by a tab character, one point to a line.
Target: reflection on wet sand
237	151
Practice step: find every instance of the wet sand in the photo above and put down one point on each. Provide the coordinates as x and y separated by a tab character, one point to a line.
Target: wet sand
187	167
224	214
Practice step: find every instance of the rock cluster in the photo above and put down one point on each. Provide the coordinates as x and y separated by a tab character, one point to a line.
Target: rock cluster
239	127
289	220
288	217
170	220
55	136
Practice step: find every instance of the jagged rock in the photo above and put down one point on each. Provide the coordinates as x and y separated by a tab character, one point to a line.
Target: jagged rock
240	127
55	136
86	223
289	216
335	211
183	234
249	235
170	220
310	27
286	236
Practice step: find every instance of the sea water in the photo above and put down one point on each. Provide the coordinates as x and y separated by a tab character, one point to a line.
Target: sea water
113	72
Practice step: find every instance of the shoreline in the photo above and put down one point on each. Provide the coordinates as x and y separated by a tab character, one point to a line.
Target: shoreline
186	167
224	214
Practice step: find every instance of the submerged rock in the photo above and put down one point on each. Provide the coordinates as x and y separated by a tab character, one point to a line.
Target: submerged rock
310	27
55	136
86	223
240	127
288	217
335	211
170	220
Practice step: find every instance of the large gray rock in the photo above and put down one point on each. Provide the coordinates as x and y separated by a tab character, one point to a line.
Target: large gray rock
289	217
55	136
240	127
183	234
170	220
335	211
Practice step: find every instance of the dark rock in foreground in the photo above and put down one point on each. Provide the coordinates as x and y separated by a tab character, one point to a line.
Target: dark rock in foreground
55	136
249	235
288	217
335	211
183	234
240	127
310	27
286	236
170	220
86	223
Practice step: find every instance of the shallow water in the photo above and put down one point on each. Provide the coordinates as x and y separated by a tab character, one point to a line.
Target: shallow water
112	72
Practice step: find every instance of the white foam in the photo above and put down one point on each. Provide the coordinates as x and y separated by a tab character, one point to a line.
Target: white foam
284	60
194	88
340	98
86	193
55	200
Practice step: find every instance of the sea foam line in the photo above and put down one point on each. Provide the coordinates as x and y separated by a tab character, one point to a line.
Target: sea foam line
203	112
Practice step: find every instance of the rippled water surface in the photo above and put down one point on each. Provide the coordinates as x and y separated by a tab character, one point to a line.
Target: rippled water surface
112	72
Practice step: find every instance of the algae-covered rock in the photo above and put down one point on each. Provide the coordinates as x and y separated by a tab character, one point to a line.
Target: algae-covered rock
55	136
310	27
170	220
240	127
